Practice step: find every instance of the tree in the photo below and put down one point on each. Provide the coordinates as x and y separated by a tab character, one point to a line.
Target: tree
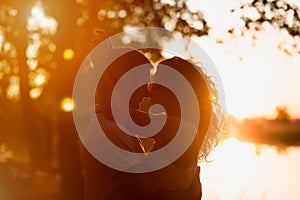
280	14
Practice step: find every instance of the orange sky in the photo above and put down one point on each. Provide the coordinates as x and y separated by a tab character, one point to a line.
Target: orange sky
258	76
256	79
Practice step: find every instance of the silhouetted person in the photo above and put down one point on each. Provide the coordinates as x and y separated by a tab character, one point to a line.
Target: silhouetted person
176	181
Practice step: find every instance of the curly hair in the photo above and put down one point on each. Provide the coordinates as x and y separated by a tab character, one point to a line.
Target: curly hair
216	128
217	113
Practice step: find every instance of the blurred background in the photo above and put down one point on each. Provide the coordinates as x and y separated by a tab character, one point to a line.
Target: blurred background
253	43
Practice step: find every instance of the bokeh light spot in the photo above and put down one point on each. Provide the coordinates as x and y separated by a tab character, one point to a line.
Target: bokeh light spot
68	54
67	104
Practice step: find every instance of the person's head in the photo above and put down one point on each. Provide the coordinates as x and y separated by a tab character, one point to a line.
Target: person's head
207	99
154	93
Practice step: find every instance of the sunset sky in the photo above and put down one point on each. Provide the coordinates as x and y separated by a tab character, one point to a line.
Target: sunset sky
257	75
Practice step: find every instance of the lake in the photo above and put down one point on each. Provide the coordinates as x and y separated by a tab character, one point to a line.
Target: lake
245	171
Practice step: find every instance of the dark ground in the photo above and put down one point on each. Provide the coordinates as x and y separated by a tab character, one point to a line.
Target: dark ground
17	183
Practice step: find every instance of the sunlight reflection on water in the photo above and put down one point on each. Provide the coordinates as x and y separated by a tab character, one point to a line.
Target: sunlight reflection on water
239	171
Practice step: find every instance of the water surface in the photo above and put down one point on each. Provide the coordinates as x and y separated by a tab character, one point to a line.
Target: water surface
241	170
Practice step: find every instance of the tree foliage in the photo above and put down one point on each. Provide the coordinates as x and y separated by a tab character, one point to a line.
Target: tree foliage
81	25
174	16
282	15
